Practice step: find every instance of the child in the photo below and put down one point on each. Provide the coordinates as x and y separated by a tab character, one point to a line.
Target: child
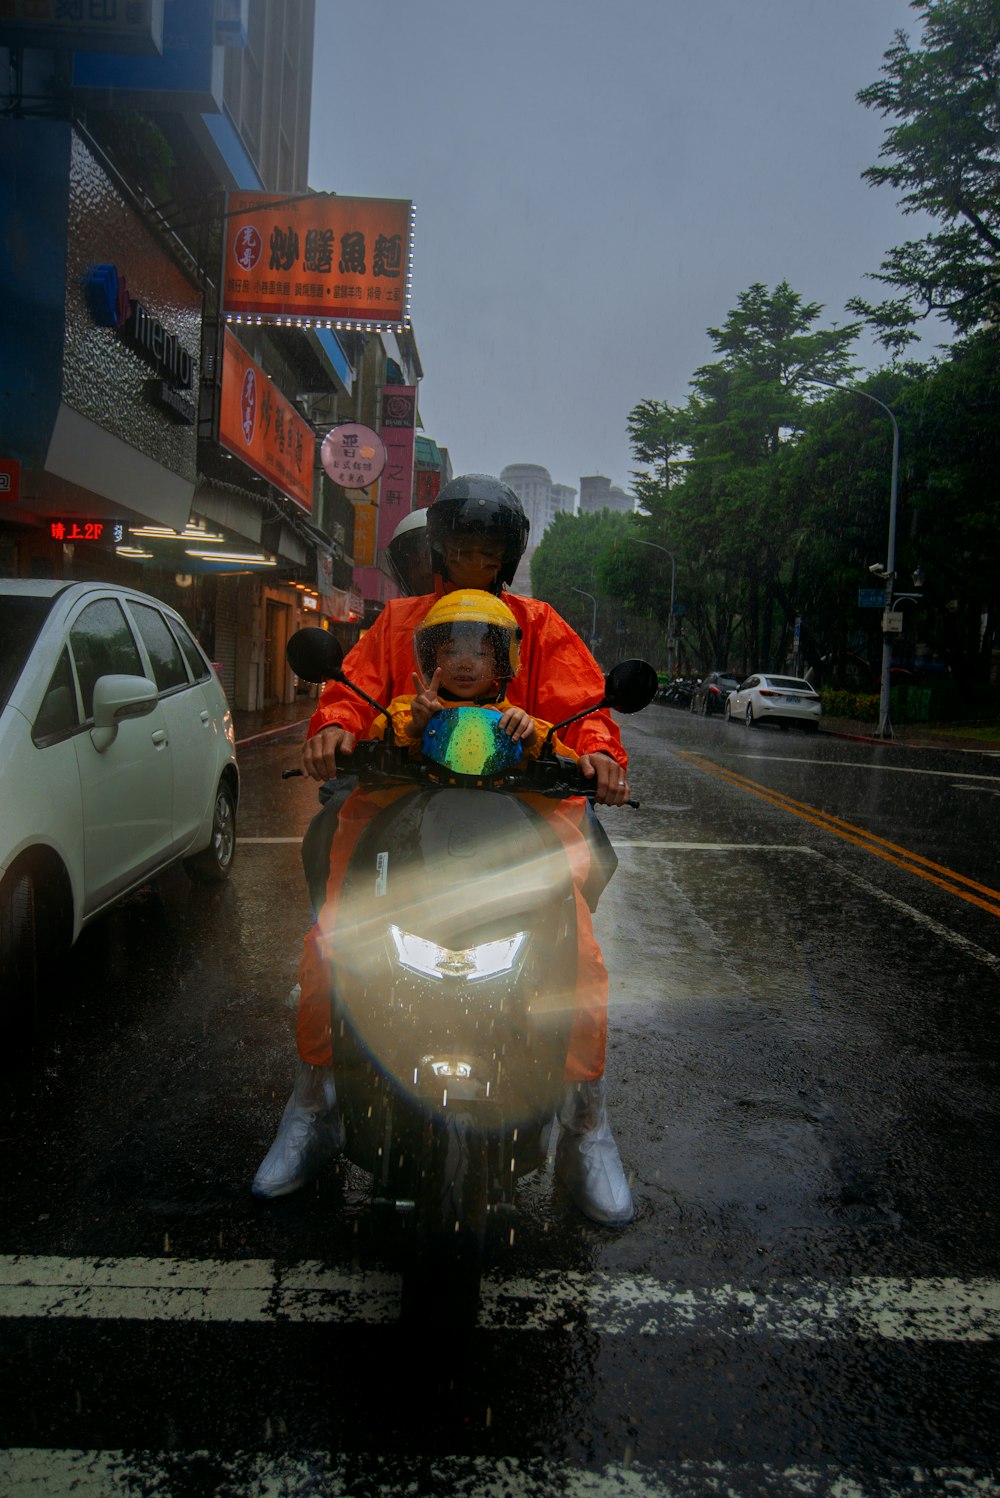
468	649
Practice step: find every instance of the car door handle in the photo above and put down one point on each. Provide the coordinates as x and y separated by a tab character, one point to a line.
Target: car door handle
159	738
206	717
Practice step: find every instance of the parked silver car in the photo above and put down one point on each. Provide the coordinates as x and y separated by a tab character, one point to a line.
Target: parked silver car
117	758
775	699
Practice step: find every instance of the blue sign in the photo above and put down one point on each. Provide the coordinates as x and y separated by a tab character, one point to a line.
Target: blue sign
871	598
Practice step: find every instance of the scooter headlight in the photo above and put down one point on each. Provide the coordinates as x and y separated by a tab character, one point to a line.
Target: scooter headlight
486	960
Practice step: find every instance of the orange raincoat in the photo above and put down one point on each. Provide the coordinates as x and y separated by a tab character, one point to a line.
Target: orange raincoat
557	676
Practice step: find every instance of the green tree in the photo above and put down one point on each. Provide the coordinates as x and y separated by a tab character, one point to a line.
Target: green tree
570	556
943	155
723	507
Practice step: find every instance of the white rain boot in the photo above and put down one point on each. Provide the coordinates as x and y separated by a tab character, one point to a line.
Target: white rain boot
587	1160
309	1136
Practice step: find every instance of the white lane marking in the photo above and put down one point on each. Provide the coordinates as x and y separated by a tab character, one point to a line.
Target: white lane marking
848	764
933	1309
34	1472
954	938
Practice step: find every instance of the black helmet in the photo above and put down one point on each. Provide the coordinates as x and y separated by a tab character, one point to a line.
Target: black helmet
479	505
408	558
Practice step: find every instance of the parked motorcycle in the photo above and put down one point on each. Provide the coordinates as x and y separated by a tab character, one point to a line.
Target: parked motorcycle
678	692
453	976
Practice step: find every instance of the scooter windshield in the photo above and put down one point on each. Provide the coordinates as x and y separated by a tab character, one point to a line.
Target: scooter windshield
469	741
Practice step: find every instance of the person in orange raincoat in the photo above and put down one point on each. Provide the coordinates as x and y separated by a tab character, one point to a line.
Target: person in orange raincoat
477	531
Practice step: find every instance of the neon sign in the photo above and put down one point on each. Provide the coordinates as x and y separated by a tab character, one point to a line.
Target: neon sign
73	528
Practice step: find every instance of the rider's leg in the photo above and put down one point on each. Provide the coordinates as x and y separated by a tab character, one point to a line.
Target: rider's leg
309	1135
587	1158
310	1132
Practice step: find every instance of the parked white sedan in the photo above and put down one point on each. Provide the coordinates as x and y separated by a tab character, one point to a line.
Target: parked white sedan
117	758
775	699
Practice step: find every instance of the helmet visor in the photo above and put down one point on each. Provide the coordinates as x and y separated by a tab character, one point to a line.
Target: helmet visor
468	652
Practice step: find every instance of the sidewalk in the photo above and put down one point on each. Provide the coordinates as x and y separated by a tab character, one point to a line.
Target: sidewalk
911	736
286	721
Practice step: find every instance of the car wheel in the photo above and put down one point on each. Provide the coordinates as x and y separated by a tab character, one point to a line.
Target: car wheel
727	712
750	717
212	864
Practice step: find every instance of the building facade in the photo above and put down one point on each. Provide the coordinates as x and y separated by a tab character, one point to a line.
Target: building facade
542	501
599	493
123	131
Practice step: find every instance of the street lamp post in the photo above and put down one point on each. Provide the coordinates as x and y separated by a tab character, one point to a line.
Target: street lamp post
673	578
888	573
593	617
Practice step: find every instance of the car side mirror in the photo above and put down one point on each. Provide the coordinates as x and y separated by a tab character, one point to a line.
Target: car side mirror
115	699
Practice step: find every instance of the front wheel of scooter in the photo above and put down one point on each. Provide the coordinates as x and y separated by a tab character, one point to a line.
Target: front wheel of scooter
442	1274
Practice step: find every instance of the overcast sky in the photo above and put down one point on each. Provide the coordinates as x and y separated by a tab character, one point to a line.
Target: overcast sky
595	183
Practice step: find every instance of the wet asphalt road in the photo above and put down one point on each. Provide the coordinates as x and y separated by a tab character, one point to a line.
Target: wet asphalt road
804	945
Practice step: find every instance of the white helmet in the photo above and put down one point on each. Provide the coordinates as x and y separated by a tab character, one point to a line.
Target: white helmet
408	556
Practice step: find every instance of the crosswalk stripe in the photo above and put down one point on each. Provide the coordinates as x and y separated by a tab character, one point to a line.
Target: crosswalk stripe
932	1309
33	1472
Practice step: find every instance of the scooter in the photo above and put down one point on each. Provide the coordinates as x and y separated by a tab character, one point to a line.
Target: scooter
453	976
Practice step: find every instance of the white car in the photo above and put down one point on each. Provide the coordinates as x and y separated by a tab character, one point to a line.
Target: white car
117	758
775	699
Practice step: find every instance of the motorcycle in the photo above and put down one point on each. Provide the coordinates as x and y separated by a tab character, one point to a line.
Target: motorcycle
452	964
679	692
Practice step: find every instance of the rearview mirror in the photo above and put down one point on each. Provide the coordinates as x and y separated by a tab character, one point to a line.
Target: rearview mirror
630	686
315	655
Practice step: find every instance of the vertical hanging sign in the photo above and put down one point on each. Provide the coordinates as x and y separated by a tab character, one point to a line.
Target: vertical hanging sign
399	417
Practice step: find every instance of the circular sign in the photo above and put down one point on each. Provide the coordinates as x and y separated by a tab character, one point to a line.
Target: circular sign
352	455
247	247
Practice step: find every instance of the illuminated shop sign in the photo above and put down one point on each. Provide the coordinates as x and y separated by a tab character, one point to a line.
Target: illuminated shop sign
338	262
259	426
74	528
111	306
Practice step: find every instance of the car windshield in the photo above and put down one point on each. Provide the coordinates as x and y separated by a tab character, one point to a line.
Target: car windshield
790	683
20	621
729	682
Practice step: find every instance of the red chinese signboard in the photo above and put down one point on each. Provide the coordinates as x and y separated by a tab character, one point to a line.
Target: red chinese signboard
399	419
257	424
428	484
343	262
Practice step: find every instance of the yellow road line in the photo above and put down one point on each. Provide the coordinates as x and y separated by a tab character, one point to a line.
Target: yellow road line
902	858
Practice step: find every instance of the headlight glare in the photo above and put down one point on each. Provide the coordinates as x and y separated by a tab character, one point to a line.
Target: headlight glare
486	960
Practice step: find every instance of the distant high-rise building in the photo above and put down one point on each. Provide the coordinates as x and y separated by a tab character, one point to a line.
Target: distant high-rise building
599	493
542	501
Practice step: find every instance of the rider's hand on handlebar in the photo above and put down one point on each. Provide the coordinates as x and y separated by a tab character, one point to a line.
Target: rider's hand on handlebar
319	754
610	781
519	726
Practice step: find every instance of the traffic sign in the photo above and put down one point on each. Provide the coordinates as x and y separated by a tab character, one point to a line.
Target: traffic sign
871	598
